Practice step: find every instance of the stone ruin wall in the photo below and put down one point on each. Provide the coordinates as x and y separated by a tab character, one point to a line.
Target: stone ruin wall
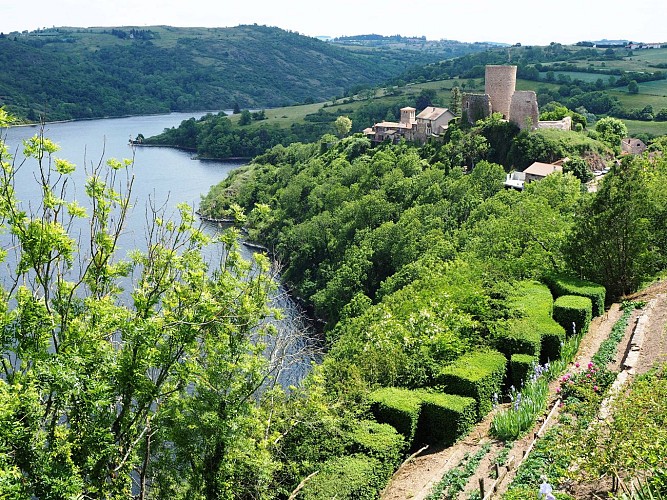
475	107
564	124
524	110
499	85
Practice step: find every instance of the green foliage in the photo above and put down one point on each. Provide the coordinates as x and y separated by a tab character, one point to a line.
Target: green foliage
518	336
611	131
527	404
520	367
550	145
478	375
444	418
632	444
573	313
454	480
553	336
619	239
108	379
380	441
351	478
399	408
569	285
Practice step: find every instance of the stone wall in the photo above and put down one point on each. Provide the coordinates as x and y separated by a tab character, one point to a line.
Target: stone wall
500	83
524	110
475	107
564	124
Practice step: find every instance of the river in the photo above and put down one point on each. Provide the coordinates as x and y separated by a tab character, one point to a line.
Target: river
165	176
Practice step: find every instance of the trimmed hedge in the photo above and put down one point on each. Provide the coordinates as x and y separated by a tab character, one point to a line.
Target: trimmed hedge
399	408
565	285
575	309
357	477
553	336
379	441
518	336
478	375
532	299
520	366
444	418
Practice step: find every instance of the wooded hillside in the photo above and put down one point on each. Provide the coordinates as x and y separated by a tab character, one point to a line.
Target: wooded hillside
64	73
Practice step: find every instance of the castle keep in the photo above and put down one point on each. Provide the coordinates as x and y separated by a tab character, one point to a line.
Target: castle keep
518	106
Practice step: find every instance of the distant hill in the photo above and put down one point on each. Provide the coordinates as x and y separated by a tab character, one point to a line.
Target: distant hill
64	73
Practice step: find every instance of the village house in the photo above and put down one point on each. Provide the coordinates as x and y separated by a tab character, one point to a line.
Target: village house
632	146
431	122
535	172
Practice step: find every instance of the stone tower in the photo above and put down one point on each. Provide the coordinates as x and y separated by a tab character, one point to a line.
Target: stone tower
408	115
500	83
524	110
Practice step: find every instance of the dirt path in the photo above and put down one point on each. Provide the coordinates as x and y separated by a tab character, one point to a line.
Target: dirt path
415	480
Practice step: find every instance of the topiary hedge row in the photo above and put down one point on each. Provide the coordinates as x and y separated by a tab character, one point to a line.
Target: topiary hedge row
520	366
423	416
552	335
565	285
573	309
356	477
478	375
445	417
399	408
379	441
518	336
535	333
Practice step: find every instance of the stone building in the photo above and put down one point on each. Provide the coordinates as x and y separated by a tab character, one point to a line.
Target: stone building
431	122
517	106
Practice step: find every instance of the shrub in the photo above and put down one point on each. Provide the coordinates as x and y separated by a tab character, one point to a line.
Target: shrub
445	417
565	285
399	408
478	375
357	477
569	309
379	441
533	299
553	336
520	366
518	336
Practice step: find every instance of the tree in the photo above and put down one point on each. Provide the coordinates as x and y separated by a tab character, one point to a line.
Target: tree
633	88
425	98
612	243
246	118
343	125
455	101
108	364
611	131
237	109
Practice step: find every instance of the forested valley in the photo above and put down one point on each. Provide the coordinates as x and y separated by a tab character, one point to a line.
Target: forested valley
436	292
97	72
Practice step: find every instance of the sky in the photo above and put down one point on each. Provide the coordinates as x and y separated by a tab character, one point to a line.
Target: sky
535	22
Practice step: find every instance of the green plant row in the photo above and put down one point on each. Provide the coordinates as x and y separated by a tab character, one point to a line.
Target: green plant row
607	349
454	480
